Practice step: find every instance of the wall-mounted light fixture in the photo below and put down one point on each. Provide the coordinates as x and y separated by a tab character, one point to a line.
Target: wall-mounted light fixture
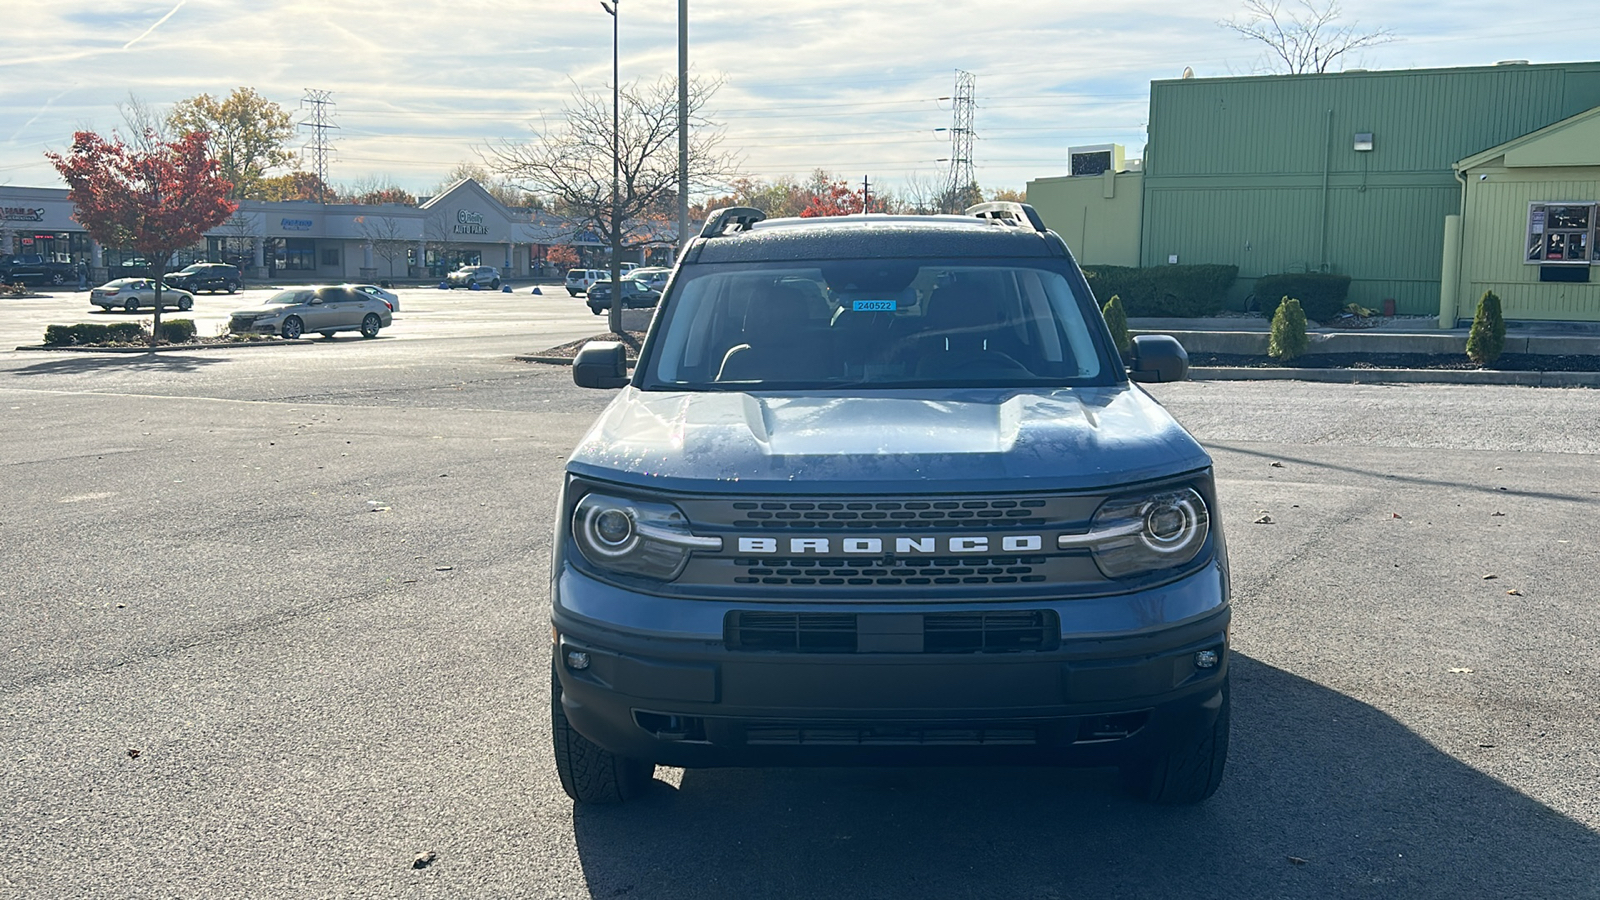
1363	141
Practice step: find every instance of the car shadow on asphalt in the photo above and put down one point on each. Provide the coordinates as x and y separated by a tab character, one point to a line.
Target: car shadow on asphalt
1325	796
83	363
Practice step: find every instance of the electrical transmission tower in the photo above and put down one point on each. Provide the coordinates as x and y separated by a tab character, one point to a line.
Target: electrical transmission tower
962	175
320	146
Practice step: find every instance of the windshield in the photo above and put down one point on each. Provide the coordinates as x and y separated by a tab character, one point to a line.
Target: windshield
875	323
285	297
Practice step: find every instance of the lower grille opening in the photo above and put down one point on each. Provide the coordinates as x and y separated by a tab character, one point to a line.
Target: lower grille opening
1095	729
671	728
888	735
1021	631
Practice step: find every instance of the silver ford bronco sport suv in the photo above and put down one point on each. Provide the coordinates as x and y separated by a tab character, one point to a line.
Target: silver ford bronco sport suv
878	491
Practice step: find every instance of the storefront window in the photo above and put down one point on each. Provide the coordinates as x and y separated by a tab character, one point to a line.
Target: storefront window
1562	234
299	254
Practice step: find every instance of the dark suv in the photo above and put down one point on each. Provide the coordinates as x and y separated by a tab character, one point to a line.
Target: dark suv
206	277
880	490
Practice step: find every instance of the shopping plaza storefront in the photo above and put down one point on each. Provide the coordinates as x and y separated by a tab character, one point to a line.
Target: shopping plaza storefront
303	241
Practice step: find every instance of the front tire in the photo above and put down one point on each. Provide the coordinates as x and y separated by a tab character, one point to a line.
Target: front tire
1188	770
57	278
292	328
590	774
370	325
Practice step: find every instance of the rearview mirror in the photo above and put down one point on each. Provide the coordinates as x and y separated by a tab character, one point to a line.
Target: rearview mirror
601	364
1158	358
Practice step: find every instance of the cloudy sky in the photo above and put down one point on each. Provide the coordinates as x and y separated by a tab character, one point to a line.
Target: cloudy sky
851	86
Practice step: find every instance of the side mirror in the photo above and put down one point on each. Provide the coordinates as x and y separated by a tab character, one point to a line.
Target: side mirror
601	364
1158	358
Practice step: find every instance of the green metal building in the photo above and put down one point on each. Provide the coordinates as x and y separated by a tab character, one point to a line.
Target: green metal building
1355	173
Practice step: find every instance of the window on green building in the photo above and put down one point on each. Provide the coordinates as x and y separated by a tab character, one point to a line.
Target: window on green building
1562	234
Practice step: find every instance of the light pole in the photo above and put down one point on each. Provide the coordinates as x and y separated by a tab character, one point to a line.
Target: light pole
683	127
614	319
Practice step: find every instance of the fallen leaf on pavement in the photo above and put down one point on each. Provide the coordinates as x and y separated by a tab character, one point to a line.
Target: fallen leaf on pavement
1394	515
1460	670
1277	465
133	752
1297	860
424	859
1490	577
1514	592
1493	514
1264	520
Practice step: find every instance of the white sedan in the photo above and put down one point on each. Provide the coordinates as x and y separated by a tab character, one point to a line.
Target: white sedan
133	293
384	294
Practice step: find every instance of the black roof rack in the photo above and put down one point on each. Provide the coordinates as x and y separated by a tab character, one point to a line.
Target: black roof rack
1008	212
718	220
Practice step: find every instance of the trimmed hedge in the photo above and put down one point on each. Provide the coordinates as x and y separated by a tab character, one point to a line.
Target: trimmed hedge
94	333
1117	322
177	331
1183	292
1321	296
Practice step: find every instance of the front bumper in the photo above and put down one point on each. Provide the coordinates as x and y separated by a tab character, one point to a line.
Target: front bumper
1122	681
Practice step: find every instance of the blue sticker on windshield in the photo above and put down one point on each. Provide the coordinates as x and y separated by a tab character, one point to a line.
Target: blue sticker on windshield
873	306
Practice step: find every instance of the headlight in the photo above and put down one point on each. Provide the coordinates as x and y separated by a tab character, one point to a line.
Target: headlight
636	538
1136	535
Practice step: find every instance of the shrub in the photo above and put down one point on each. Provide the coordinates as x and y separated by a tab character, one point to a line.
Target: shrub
1117	321
1487	339
1288	331
1173	291
177	331
1321	296
92	333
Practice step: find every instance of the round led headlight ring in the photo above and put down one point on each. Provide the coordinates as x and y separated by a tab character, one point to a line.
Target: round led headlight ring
1173	523
607	530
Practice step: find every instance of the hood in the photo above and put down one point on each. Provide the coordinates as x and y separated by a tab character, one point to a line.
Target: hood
971	440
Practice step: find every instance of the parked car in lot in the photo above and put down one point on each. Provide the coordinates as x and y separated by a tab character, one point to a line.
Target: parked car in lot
653	277
211	277
482	276
134	294
580	280
384	294
881	489
31	268
636	294
324	310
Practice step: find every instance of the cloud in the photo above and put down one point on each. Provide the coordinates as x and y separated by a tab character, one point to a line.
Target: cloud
839	84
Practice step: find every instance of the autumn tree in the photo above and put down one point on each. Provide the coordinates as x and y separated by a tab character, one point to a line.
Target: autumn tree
291	186
250	133
156	201
562	256
570	161
837	198
1305	38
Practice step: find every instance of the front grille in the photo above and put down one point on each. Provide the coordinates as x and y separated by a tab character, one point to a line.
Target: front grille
857	515
888	735
941	632
889	570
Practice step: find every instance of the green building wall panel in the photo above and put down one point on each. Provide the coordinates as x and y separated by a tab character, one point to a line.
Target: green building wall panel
1099	230
1492	243
1235	168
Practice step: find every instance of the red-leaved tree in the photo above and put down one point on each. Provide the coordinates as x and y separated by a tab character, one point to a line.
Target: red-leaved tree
157	201
837	199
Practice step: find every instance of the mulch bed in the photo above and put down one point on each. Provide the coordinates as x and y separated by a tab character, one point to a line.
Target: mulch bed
570	349
1510	362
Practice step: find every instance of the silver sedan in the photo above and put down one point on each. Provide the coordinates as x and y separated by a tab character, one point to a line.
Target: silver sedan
133	293
324	310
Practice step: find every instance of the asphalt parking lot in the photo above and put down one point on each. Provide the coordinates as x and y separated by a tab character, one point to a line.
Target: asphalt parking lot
308	586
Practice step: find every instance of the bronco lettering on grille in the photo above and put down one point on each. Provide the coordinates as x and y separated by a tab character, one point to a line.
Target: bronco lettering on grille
874	546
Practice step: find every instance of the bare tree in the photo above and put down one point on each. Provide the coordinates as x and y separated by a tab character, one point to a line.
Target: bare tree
1307	38
387	237
146	124
239	233
570	163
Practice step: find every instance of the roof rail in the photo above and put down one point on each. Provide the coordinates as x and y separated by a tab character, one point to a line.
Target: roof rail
1008	212
718	220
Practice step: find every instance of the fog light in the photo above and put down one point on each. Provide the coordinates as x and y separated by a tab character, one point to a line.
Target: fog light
1205	659
579	660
